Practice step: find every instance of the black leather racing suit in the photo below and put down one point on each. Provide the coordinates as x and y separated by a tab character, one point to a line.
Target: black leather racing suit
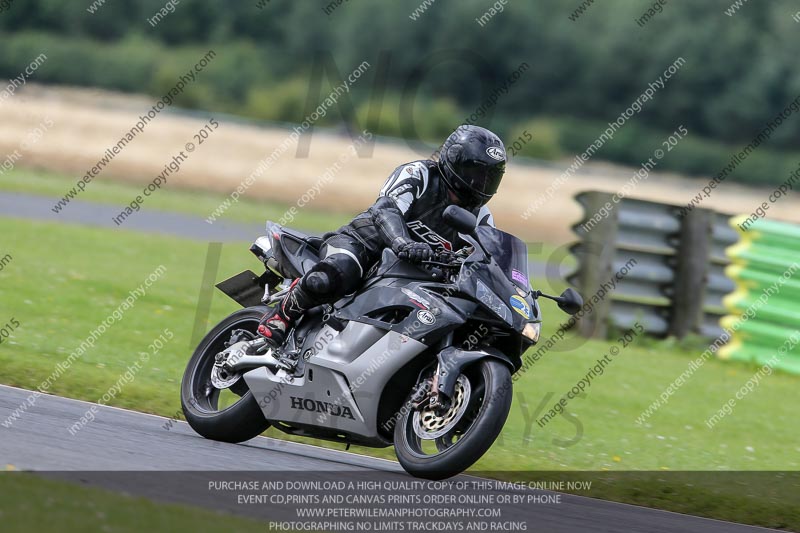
410	206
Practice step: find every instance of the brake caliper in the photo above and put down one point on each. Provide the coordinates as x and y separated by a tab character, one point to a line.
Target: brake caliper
430	423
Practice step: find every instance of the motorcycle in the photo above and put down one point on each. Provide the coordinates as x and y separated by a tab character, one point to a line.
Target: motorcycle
420	357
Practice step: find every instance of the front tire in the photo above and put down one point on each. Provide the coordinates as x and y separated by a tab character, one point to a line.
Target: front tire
472	434
200	400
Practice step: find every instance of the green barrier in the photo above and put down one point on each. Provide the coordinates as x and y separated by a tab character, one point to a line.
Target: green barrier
754	353
764	310
756	331
762	257
775	311
758	280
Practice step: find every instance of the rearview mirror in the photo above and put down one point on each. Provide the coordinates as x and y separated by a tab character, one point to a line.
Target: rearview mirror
570	301
460	219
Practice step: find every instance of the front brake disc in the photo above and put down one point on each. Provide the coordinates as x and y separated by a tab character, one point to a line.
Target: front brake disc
429	425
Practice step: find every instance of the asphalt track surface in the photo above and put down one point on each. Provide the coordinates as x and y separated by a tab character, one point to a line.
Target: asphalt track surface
120	440
34	207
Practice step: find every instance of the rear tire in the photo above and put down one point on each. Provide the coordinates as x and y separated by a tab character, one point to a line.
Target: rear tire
239	422
476	431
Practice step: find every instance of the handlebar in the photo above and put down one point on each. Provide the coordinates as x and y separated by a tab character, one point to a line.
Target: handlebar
445	260
442	263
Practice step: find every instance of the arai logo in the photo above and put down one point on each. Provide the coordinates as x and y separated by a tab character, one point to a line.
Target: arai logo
426	317
495	153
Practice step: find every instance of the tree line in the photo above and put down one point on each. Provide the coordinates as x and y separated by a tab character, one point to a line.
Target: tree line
432	72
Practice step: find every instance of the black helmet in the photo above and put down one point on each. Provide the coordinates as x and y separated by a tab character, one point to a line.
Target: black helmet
472	162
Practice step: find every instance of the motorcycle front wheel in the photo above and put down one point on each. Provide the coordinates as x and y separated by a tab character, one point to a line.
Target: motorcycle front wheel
435	444
227	415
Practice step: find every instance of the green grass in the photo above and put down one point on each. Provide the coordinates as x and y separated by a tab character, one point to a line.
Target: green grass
31	503
64	280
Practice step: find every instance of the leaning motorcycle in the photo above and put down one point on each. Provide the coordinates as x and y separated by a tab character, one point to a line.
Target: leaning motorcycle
420	357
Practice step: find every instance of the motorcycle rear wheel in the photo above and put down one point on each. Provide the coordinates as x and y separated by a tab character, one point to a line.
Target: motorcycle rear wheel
200	400
472	434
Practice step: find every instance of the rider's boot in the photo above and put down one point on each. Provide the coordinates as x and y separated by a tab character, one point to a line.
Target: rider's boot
274	325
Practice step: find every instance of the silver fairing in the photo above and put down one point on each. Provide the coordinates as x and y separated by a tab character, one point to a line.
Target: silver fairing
342	382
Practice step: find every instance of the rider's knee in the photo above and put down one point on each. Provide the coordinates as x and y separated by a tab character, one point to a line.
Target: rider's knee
318	283
332	278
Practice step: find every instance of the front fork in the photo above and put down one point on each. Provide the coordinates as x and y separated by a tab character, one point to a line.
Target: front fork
433	398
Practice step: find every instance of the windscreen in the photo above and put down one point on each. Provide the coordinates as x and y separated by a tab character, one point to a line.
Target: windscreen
510	253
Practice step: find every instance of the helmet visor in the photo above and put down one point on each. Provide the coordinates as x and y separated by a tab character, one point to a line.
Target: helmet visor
482	180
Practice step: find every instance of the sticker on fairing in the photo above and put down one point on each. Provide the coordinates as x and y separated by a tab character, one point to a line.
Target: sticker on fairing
520	306
516	275
426	317
416	299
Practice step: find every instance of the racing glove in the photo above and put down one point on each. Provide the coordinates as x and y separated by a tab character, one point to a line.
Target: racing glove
413	251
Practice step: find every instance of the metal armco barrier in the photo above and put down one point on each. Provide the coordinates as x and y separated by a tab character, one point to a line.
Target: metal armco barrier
766	270
678	282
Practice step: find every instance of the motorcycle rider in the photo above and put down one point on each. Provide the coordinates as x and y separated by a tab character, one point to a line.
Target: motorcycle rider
407	217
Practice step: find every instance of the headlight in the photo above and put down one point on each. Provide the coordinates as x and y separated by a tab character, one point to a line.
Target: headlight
531	330
493	302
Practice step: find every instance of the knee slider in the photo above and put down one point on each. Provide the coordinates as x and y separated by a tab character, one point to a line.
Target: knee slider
318	283
323	279
333	277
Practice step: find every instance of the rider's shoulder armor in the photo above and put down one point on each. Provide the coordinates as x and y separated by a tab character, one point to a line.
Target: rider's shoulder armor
421	194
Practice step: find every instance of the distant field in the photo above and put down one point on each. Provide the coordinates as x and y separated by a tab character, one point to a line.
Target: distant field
85	123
